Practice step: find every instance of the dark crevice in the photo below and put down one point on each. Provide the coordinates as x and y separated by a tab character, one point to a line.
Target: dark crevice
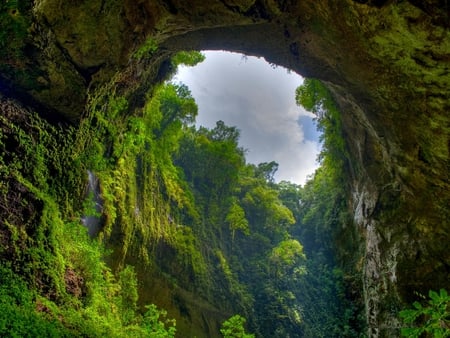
438	10
234	9
85	73
293	47
52	116
168	4
102	7
374	3
259	11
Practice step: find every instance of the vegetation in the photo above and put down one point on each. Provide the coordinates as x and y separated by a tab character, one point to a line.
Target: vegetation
233	327
14	22
15	26
55	282
432	319
177	202
64	286
148	48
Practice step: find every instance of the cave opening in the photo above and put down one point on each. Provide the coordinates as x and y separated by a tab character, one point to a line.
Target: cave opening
385	62
259	99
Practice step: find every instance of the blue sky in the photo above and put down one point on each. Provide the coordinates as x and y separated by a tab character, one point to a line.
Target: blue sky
259	100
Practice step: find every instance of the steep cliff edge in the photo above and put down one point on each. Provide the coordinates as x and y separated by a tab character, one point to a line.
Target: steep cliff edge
387	64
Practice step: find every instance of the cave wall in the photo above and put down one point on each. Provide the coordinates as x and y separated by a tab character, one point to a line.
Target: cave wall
386	62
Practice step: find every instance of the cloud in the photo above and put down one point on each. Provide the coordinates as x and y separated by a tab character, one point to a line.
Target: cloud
260	101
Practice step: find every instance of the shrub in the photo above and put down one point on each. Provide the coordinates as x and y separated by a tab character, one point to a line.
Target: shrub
433	318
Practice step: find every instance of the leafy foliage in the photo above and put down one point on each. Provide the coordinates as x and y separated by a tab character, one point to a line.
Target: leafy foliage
236	219
190	58
68	289
432	319
267	171
233	327
336	310
183	203
245	200
154	326
148	48
287	253
18	316
316	98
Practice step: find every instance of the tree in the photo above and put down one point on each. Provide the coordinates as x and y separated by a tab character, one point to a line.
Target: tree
236	219
314	97
190	58
176	104
286	256
211	159
155	323
234	328
265	207
222	132
267	170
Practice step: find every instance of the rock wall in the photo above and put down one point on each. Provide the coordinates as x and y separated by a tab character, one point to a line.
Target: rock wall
387	64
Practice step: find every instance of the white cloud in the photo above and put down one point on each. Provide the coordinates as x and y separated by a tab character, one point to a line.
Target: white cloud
260	101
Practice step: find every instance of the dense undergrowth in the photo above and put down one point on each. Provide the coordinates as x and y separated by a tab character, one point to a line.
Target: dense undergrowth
64	286
178	203
54	281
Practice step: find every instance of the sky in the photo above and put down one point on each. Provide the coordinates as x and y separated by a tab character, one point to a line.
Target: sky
259	99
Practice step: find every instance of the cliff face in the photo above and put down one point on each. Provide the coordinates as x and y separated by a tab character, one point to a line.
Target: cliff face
387	64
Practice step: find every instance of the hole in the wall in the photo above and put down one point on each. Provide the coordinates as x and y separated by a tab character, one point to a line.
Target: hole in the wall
259	99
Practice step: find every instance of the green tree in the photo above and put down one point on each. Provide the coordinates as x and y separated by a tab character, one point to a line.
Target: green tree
267	170
286	257
176	104
236	219
288	253
156	325
211	159
264	206
233	327
128	295
222	132
188	58
314	97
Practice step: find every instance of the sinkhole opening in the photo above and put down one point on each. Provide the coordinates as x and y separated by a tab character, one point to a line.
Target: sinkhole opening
259	99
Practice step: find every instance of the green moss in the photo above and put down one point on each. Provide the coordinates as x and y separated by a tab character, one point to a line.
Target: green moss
188	251
19	316
148	48
14	23
412	49
62	286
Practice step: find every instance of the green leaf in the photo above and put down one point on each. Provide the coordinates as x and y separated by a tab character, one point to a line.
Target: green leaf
410	332
417	305
434	297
